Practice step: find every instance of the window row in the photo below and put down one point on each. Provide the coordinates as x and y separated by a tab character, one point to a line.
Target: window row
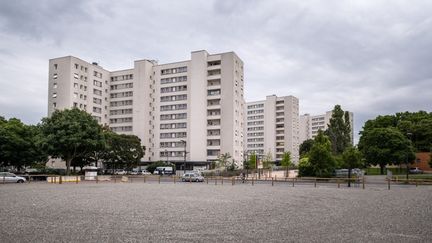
121	94
255	134
255	112
177	116
257	145
122	77
251	140
120	111
213	92
255	106
255	123
172	144
97	74
255	128
173	135
122	86
76	67
173	80
120	103
174	89
171	154
173	107
97	83
173	98
121	129
255	117
173	70
121	120
173	125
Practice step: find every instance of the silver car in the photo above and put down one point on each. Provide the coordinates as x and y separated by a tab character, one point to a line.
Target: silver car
6	177
192	177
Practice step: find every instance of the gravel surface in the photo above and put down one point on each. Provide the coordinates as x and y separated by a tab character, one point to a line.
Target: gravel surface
184	212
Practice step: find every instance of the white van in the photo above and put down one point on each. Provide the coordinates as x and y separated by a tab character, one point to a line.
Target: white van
163	171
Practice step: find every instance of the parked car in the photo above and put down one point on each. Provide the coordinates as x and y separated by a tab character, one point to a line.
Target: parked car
133	172
7	177
194	177
120	172
145	172
415	170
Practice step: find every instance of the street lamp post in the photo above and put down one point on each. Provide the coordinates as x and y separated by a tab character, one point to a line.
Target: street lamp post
166	152
184	154
407	169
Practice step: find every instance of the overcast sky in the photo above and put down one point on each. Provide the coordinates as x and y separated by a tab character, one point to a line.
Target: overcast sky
371	57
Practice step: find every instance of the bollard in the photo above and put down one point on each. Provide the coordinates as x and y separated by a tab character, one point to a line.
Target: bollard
252	181
293	181
363	181
338	182
115	179
4	179
60	180
215	180
159	179
222	181
190	178
76	182
272	182
144	179
29	177
232	181
388	182
174	179
207	180
315	182
416	183
97	180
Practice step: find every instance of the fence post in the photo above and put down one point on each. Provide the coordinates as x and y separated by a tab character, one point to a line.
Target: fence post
272	182
338	182
60	180
252	181
232	181
207	180
4	180
222	180
388	182
174	179
29	178
363	181
76	181
293	181
315	182
97	179
115	179
416	183
159	179
215	180
144	178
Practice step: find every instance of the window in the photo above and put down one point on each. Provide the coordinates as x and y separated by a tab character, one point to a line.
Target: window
55	85
75	95
75	75
54	95
75	85
55	66
76	66
173	70
55	76
54	105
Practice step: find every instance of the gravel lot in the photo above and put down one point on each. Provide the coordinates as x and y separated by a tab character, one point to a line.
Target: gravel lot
134	212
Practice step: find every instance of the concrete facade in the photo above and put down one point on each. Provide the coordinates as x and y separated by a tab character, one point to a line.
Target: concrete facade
311	124
198	103
272	127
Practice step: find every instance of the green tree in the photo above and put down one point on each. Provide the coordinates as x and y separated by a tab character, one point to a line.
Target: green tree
339	130
123	151
232	166
252	163
352	158
268	161
305	168
286	161
383	146
305	147
222	160
19	144
320	156
68	134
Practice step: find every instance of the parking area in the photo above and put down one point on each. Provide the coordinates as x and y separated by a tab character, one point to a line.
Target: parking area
196	212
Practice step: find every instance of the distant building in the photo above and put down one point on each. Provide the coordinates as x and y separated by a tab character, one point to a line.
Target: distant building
198	103
272	126
310	125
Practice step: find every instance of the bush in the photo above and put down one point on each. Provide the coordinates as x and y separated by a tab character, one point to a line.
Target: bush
305	168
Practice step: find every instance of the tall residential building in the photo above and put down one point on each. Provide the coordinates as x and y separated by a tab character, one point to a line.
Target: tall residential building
197	103
310	125
272	127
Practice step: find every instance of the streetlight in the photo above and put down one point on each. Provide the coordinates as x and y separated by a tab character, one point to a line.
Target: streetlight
184	154
166	152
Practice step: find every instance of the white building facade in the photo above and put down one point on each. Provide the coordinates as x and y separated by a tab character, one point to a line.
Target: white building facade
272	127
194	106
310	125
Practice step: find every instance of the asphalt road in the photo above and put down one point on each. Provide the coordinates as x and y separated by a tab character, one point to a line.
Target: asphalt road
197	212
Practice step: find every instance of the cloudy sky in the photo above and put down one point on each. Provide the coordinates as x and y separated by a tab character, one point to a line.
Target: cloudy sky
371	57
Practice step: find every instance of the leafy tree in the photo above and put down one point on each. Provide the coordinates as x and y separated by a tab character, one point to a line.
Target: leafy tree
68	134
252	163
268	161
305	168
232	166
383	146
352	158
123	151
320	156
339	130
306	146
19	144
286	161
222	160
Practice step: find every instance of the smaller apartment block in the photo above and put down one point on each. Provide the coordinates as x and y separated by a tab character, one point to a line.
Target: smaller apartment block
310	125
272	127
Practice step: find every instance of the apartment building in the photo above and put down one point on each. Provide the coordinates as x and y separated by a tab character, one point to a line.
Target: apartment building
272	127
310	125
189	110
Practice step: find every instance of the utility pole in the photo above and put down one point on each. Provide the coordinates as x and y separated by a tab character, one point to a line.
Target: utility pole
184	154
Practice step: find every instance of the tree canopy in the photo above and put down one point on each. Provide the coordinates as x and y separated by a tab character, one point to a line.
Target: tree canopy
305	147
383	146
320	157
68	134
122	151
339	130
